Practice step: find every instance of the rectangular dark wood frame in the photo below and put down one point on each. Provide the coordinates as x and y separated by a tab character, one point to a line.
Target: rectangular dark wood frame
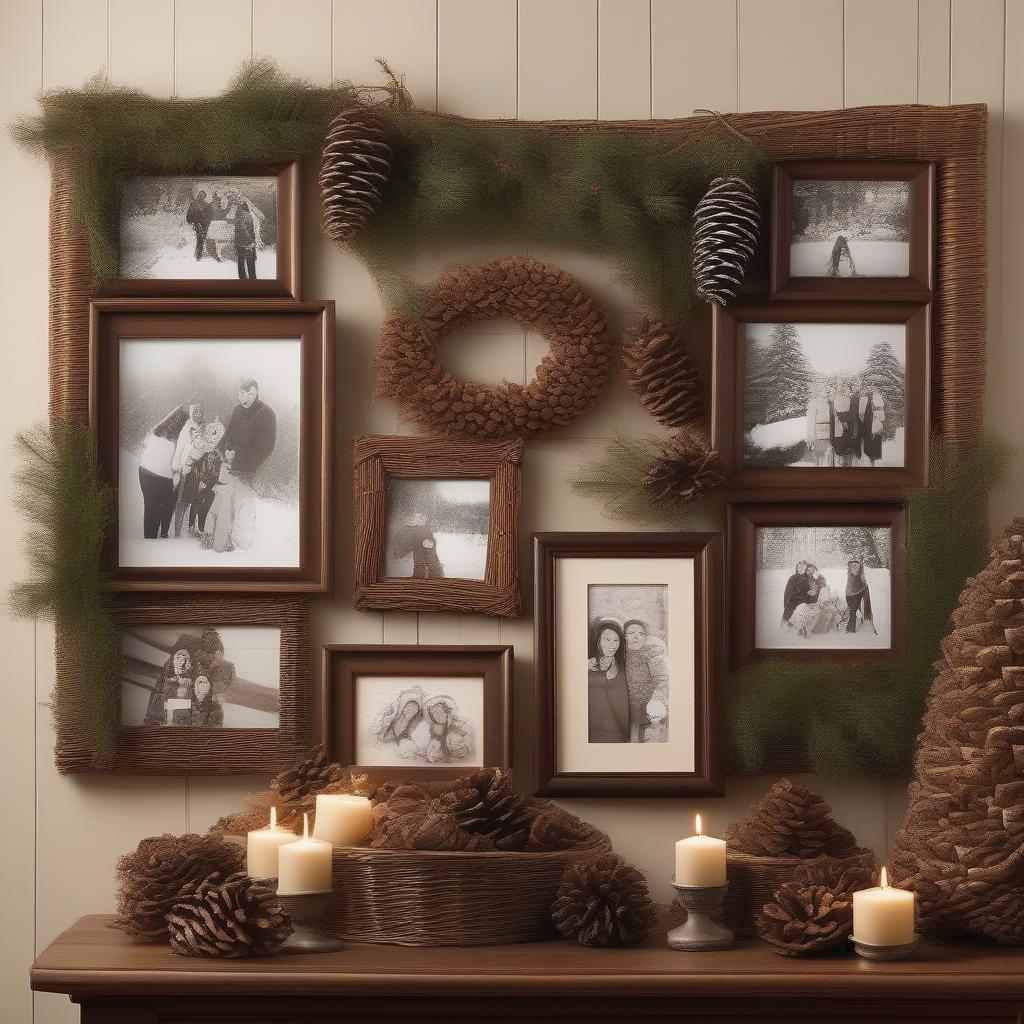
743	522
921	281
168	750
708	776
313	324
287	283
377	458
807	482
343	664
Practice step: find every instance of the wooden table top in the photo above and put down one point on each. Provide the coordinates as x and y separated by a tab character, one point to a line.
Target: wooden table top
91	958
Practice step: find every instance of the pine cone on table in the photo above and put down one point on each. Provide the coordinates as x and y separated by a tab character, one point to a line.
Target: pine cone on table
153	875
686	468
486	805
791	820
726	224
603	901
662	374
234	917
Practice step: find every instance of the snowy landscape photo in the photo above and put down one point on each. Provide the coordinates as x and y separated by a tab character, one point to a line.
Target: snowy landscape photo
823	587
824	395
209	452
187	228
850	229
437	529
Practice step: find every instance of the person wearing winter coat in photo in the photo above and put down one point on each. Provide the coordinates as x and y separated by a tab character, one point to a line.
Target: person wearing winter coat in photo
206	712
245	240
871	416
173	683
607	697
821	426
156	472
202	444
198	217
858	595
646	665
795	593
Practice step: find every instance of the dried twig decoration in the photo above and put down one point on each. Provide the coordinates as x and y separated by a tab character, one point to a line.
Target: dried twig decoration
662	374
685	469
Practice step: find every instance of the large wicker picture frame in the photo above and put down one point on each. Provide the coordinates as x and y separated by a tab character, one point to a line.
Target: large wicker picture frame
379	460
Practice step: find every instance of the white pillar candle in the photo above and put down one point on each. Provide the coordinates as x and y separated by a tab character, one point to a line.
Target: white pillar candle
342	819
262	845
700	859
883	916
305	865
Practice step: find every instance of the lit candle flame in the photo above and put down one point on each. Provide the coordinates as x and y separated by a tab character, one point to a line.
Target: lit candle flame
884	881
305	825
699	827
273	816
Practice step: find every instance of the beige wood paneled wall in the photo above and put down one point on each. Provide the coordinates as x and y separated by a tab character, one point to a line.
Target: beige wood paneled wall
485	58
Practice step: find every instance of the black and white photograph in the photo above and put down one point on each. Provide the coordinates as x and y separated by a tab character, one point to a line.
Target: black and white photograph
850	228
823	587
437	529
426	722
628	663
209	452
824	395
208	677
216	227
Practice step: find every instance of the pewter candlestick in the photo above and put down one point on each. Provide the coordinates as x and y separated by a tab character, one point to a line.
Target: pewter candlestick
699	932
306	909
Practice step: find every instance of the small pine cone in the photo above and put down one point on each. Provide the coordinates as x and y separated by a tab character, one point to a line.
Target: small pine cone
804	918
791	821
486	805
236	917
557	829
662	374
603	901
354	173
151	877
296	787
686	468
726	224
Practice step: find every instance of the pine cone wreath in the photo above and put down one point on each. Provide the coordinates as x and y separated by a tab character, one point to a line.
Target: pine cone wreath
603	901
355	171
236	917
662	374
726	225
486	805
686	468
791	820
152	876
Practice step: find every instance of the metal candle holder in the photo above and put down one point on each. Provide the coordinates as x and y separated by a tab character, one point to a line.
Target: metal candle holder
305	909
699	932
872	951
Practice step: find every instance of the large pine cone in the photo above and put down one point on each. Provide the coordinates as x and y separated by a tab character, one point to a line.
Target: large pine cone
413	819
556	829
662	374
297	786
686	468
603	901
791	821
486	805
236	917
961	844
354	173
151	877
726	224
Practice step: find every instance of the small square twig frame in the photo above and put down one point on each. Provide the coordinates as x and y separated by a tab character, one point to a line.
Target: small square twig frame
377	460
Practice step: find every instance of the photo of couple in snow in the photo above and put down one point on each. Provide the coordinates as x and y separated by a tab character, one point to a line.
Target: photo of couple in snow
823	587
824	395
209	452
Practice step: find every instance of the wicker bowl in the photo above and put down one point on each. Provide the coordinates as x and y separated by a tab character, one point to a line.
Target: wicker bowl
426	898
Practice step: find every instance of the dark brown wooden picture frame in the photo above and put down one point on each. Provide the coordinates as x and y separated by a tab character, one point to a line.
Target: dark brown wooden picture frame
810	482
345	664
743	522
378	458
313	324
173	750
706	550
288	281
919	285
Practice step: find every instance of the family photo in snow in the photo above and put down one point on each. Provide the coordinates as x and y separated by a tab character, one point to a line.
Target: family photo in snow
184	227
628	666
823	587
209	458
850	229
824	395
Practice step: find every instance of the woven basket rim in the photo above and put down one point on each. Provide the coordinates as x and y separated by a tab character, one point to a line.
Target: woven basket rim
757	858
601	846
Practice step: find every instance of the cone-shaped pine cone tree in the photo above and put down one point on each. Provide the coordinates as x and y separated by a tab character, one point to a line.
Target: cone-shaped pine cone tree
686	468
662	373
235	917
813	912
486	805
961	844
726	224
151	877
791	821
603	901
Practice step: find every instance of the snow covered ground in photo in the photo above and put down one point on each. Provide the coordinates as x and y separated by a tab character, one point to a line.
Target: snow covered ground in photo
463	556
873	258
787	433
276	544
769	633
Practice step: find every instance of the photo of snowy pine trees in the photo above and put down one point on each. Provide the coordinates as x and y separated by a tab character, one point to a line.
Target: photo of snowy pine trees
826	396
850	229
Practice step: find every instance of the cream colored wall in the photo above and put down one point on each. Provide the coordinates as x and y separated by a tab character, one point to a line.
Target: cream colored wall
486	58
